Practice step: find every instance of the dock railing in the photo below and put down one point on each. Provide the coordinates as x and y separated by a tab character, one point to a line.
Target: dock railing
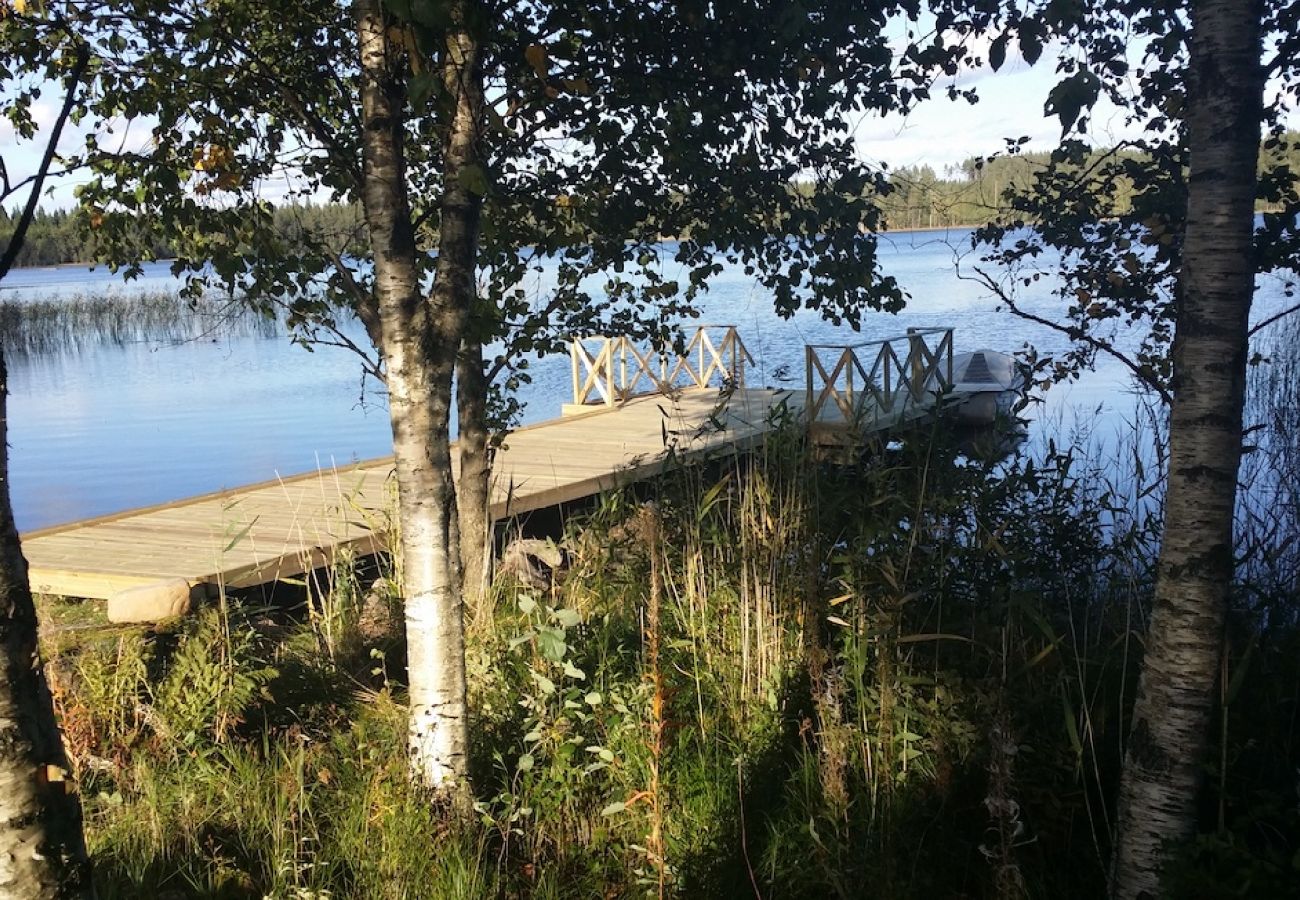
608	371
877	378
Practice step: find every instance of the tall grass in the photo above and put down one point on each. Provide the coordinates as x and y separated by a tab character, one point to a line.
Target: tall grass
43	326
907	676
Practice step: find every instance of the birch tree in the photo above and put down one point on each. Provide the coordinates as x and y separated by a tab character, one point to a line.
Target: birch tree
1172	715
42	851
1177	256
484	140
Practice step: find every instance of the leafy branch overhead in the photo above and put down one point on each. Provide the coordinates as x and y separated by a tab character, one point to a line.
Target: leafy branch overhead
609	128
1108	220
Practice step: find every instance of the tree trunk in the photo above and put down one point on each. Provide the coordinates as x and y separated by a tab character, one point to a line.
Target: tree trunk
42	853
421	337
1171	718
473	486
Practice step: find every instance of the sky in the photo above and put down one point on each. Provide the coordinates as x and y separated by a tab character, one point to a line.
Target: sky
939	133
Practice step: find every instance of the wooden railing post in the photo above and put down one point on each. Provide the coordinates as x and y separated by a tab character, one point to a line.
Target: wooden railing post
622	363
577	382
850	363
609	371
916	359
887	376
809	395
947	339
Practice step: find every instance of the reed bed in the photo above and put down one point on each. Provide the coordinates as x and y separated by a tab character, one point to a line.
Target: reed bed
57	325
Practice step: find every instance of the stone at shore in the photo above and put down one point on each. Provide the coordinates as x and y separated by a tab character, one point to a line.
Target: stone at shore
152	602
537	564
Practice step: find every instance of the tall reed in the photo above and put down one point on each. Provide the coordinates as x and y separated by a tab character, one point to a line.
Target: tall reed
50	325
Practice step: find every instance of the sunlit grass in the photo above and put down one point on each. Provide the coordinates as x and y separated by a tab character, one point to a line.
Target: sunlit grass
904	677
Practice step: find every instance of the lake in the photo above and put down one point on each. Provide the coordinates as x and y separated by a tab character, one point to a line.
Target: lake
108	428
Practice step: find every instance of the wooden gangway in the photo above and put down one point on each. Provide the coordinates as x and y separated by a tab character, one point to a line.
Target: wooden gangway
633	408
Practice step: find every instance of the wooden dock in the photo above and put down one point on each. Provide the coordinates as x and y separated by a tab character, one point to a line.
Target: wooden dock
278	529
609	437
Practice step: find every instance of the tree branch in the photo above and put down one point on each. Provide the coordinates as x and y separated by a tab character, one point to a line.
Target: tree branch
1073	332
29	211
1271	319
367	308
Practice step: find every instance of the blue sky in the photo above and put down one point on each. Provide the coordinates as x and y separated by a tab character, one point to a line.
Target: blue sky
940	133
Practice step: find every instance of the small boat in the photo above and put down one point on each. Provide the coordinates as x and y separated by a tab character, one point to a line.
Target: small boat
989	383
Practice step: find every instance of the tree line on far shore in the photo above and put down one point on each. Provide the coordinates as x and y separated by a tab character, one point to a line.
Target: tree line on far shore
965	195
59	237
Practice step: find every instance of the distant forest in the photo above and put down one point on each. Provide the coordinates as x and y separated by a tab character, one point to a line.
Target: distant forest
60	237
971	193
965	195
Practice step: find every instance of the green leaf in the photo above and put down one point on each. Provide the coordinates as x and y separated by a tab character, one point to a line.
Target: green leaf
998	52
474	179
527	605
550	641
422	88
1072	96
547	686
525	762
240	536
574	672
569	618
1031	40
614	808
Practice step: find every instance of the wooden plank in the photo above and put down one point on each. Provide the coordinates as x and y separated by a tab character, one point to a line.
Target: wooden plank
285	526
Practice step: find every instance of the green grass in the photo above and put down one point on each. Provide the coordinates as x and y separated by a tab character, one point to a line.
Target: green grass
904	678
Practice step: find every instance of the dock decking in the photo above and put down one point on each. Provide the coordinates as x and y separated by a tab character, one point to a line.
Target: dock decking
279	529
609	436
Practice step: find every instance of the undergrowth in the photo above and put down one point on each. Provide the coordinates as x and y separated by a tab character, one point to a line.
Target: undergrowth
769	676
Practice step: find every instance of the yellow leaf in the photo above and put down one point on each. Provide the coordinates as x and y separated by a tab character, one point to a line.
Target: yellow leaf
536	56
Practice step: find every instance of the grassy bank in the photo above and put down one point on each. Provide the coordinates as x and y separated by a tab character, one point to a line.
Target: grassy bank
763	677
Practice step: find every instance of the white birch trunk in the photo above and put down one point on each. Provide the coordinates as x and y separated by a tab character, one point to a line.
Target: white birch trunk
420	337
1171	718
473	487
42	853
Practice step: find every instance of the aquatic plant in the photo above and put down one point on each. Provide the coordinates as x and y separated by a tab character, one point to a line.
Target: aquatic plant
59	324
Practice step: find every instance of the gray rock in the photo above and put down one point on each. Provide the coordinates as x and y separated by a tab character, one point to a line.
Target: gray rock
153	602
534	563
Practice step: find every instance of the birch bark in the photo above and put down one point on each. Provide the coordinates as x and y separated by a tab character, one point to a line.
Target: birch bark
473	485
42	852
1171	718
421	335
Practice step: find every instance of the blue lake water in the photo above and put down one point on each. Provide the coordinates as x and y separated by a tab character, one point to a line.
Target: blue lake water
110	428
